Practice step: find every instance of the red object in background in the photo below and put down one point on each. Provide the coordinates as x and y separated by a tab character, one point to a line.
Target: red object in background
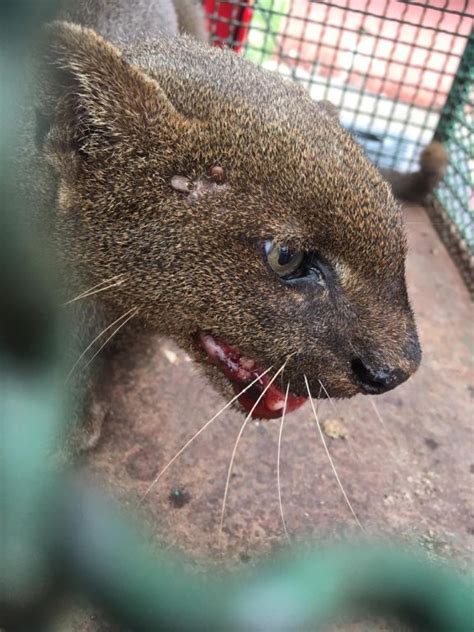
228	22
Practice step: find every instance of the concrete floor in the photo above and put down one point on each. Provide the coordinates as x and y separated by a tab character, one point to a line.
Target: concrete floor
408	474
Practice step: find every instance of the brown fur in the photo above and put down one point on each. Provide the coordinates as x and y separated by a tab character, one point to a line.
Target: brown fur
415	187
122	124
123	21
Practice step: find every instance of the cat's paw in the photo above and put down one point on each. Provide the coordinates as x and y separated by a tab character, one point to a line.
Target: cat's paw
84	434
87	434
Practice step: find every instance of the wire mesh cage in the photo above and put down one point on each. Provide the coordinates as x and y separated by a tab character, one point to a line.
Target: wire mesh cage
401	73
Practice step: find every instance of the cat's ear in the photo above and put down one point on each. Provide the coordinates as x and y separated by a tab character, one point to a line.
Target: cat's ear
91	96
329	108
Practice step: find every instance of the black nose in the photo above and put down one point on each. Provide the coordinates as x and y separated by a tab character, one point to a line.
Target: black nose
375	380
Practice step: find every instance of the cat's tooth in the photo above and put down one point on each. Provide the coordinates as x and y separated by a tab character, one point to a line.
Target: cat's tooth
210	344
247	363
276	405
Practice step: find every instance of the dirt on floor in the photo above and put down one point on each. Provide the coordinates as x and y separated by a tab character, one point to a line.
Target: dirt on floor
405	458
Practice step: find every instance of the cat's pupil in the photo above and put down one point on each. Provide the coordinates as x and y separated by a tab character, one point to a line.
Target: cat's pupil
286	255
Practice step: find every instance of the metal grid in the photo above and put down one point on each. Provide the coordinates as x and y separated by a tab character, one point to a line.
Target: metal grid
456	130
389	66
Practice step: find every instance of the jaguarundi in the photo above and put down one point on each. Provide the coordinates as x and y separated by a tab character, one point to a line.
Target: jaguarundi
196	195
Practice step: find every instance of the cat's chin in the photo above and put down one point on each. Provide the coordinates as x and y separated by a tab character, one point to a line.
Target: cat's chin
248	379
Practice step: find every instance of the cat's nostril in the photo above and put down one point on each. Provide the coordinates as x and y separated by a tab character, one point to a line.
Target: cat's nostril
376	379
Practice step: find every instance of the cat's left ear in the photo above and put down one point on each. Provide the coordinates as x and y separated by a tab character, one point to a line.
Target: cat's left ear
93	97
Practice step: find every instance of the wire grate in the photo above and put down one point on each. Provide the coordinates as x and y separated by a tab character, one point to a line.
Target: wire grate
390	67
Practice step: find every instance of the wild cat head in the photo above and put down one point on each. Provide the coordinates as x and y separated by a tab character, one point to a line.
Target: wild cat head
248	224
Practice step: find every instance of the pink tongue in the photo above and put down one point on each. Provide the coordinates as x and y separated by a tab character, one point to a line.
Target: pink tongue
241	372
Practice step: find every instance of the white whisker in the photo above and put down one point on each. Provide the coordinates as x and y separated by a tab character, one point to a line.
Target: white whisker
133	309
377	413
387	430
122	324
333	405
196	434
234	451
336	411
283	522
348	502
318	401
96	289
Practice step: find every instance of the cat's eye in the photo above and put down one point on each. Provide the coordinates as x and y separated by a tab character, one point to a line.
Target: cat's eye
294	265
284	261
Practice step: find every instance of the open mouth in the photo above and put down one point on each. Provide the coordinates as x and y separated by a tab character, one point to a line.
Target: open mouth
242	371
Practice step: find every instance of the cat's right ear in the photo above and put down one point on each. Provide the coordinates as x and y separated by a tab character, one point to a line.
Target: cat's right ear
90	98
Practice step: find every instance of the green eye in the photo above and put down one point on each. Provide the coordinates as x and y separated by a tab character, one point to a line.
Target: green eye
284	261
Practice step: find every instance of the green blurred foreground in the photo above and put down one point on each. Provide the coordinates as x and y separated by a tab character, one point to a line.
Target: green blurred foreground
58	537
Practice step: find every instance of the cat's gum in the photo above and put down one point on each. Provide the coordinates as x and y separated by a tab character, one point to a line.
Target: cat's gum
241	371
